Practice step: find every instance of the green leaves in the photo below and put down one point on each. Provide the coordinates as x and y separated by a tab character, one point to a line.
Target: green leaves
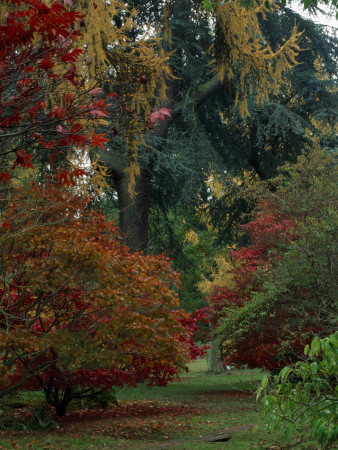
313	400
207	4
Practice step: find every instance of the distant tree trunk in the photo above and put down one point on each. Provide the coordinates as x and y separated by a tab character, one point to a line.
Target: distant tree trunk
215	359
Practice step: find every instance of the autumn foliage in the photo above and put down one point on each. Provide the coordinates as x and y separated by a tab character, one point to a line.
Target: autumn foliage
268	230
79	312
284	289
47	107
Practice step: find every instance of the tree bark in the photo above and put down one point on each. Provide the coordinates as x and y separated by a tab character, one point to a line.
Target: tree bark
134	212
214	359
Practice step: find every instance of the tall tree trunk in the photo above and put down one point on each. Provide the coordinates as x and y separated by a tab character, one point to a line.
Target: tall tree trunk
134	212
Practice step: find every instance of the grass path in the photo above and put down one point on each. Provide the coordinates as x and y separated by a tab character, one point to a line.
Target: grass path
177	416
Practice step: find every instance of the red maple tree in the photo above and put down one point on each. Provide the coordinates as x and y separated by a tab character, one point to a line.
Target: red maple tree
80	313
278	338
45	106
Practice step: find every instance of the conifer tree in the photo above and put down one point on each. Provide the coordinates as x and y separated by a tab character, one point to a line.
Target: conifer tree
240	64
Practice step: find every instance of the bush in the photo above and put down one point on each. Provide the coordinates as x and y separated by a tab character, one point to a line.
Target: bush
285	280
37	418
306	395
79	312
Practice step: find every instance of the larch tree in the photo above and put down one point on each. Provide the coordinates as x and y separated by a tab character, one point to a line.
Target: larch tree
241	62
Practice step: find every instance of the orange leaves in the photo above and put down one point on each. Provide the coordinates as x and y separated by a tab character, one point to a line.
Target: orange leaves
98	140
78	291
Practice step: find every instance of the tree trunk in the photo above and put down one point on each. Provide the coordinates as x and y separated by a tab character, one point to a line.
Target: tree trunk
215	359
134	212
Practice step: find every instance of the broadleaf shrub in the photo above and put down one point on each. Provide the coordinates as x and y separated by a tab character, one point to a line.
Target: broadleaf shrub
306	395
285	280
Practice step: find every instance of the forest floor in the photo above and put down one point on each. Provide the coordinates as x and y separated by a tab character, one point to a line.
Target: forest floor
179	416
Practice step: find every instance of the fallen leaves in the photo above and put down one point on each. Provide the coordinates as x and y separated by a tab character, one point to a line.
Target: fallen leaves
132	420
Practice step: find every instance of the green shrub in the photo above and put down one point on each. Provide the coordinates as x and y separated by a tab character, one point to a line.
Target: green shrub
39	418
306	395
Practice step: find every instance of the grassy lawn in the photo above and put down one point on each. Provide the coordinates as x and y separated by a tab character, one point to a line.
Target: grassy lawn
176	416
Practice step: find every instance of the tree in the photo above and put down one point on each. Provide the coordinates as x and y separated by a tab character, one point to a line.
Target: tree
209	4
279	131
79	312
46	109
285	280
191	85
68	284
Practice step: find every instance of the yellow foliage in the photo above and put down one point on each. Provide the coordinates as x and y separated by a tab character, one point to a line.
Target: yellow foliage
222	275
192	237
241	53
136	70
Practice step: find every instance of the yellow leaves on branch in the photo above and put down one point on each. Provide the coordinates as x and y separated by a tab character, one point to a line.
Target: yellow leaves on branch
221	276
243	55
136	70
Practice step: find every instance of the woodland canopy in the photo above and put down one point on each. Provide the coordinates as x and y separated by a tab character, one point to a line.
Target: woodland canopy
167	179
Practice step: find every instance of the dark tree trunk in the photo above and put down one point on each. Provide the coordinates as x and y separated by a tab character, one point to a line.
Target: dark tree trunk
134	212
61	408
59	402
255	160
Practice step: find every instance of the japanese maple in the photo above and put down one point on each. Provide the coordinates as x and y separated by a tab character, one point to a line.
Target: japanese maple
285	284
46	106
79	312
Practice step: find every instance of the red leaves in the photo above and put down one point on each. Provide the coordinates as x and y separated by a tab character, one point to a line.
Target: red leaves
67	178
98	109
279	338
46	64
98	140
23	160
71	75
58	112
96	91
6	225
5	177
36	37
159	114
71	56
